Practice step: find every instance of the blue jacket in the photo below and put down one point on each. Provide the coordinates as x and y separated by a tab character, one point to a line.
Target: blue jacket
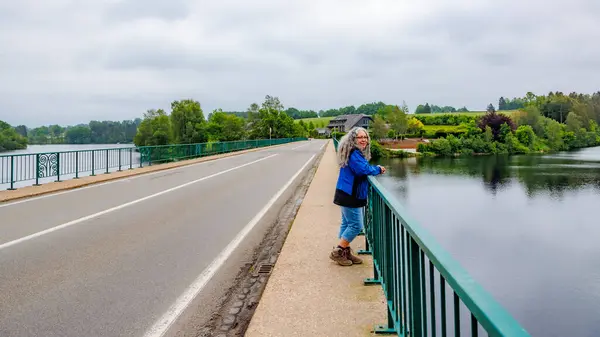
351	187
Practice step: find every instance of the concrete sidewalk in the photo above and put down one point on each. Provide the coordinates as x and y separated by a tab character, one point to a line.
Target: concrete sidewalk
308	294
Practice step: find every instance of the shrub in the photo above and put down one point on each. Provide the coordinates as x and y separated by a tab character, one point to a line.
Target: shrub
377	151
495	121
525	135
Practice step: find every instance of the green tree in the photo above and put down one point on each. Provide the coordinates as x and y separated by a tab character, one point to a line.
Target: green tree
525	135
397	119
78	135
188	123
224	127
378	127
155	129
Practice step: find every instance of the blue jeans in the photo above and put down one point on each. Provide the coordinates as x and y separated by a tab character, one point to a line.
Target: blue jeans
352	223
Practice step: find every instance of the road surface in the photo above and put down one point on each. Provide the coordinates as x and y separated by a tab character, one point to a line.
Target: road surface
132	257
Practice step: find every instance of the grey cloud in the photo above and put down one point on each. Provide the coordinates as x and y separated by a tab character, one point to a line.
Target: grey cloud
93	59
134	9
496	58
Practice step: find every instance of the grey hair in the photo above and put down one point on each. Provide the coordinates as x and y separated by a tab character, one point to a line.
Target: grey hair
348	143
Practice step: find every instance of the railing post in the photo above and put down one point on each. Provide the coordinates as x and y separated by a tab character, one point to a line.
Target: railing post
414	288
57	166
106	161
368	222
37	169
131	158
93	161
76	164
120	160
375	227
12	173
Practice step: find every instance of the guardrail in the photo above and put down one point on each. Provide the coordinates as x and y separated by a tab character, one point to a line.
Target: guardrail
407	263
54	166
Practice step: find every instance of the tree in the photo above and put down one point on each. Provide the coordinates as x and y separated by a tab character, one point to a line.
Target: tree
22	130
378	127
501	104
78	135
573	122
155	129
490	108
495	122
415	126
397	119
187	120
224	127
525	135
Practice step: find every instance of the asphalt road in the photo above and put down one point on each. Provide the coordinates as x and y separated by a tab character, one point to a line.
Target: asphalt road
134	256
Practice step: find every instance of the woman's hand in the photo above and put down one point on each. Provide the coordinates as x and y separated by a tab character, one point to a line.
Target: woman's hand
382	169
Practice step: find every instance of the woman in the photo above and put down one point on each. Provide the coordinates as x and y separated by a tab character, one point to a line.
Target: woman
354	153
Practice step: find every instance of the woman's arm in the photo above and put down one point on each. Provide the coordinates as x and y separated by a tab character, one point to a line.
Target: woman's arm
360	166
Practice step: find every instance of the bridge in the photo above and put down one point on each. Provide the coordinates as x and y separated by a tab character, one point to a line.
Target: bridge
186	243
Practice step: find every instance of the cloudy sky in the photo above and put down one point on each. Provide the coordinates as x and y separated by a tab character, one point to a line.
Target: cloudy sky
70	61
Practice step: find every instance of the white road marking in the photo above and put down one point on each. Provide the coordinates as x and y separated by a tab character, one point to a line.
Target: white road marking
116	208
122	179
297	147
162	325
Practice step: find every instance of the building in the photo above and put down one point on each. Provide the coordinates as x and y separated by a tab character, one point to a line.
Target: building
345	123
324	132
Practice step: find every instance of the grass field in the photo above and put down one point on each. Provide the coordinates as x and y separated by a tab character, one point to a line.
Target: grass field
319	122
446	128
476	113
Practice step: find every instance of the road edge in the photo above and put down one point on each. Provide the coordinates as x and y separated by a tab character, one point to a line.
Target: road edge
238	307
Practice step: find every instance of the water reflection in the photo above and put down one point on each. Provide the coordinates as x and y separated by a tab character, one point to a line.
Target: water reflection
554	174
525	227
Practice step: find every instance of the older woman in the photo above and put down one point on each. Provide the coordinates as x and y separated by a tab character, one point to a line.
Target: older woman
354	153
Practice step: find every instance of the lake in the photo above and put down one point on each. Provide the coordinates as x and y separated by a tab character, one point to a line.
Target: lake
65	147
524	227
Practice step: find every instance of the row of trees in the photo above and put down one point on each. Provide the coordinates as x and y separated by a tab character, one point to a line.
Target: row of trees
95	132
550	122
511	104
186	124
367	109
428	109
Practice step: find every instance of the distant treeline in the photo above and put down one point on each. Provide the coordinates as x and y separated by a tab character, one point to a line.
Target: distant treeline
95	132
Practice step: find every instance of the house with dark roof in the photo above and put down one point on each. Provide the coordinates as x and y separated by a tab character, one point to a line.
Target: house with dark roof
345	123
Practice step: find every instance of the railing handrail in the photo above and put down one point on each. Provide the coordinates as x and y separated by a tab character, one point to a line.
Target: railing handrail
482	305
67	151
138	147
43	165
492	316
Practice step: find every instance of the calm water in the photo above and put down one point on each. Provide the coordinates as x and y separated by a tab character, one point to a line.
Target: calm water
65	147
526	227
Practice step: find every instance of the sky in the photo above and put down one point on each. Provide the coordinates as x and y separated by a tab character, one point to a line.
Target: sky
71	61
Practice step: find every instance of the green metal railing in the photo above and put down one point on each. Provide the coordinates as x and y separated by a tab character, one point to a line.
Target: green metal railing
417	276
57	166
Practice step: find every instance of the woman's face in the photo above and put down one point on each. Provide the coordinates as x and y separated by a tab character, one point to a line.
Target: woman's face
361	140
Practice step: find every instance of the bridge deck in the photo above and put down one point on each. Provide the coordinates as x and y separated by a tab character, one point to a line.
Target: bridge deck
124	258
